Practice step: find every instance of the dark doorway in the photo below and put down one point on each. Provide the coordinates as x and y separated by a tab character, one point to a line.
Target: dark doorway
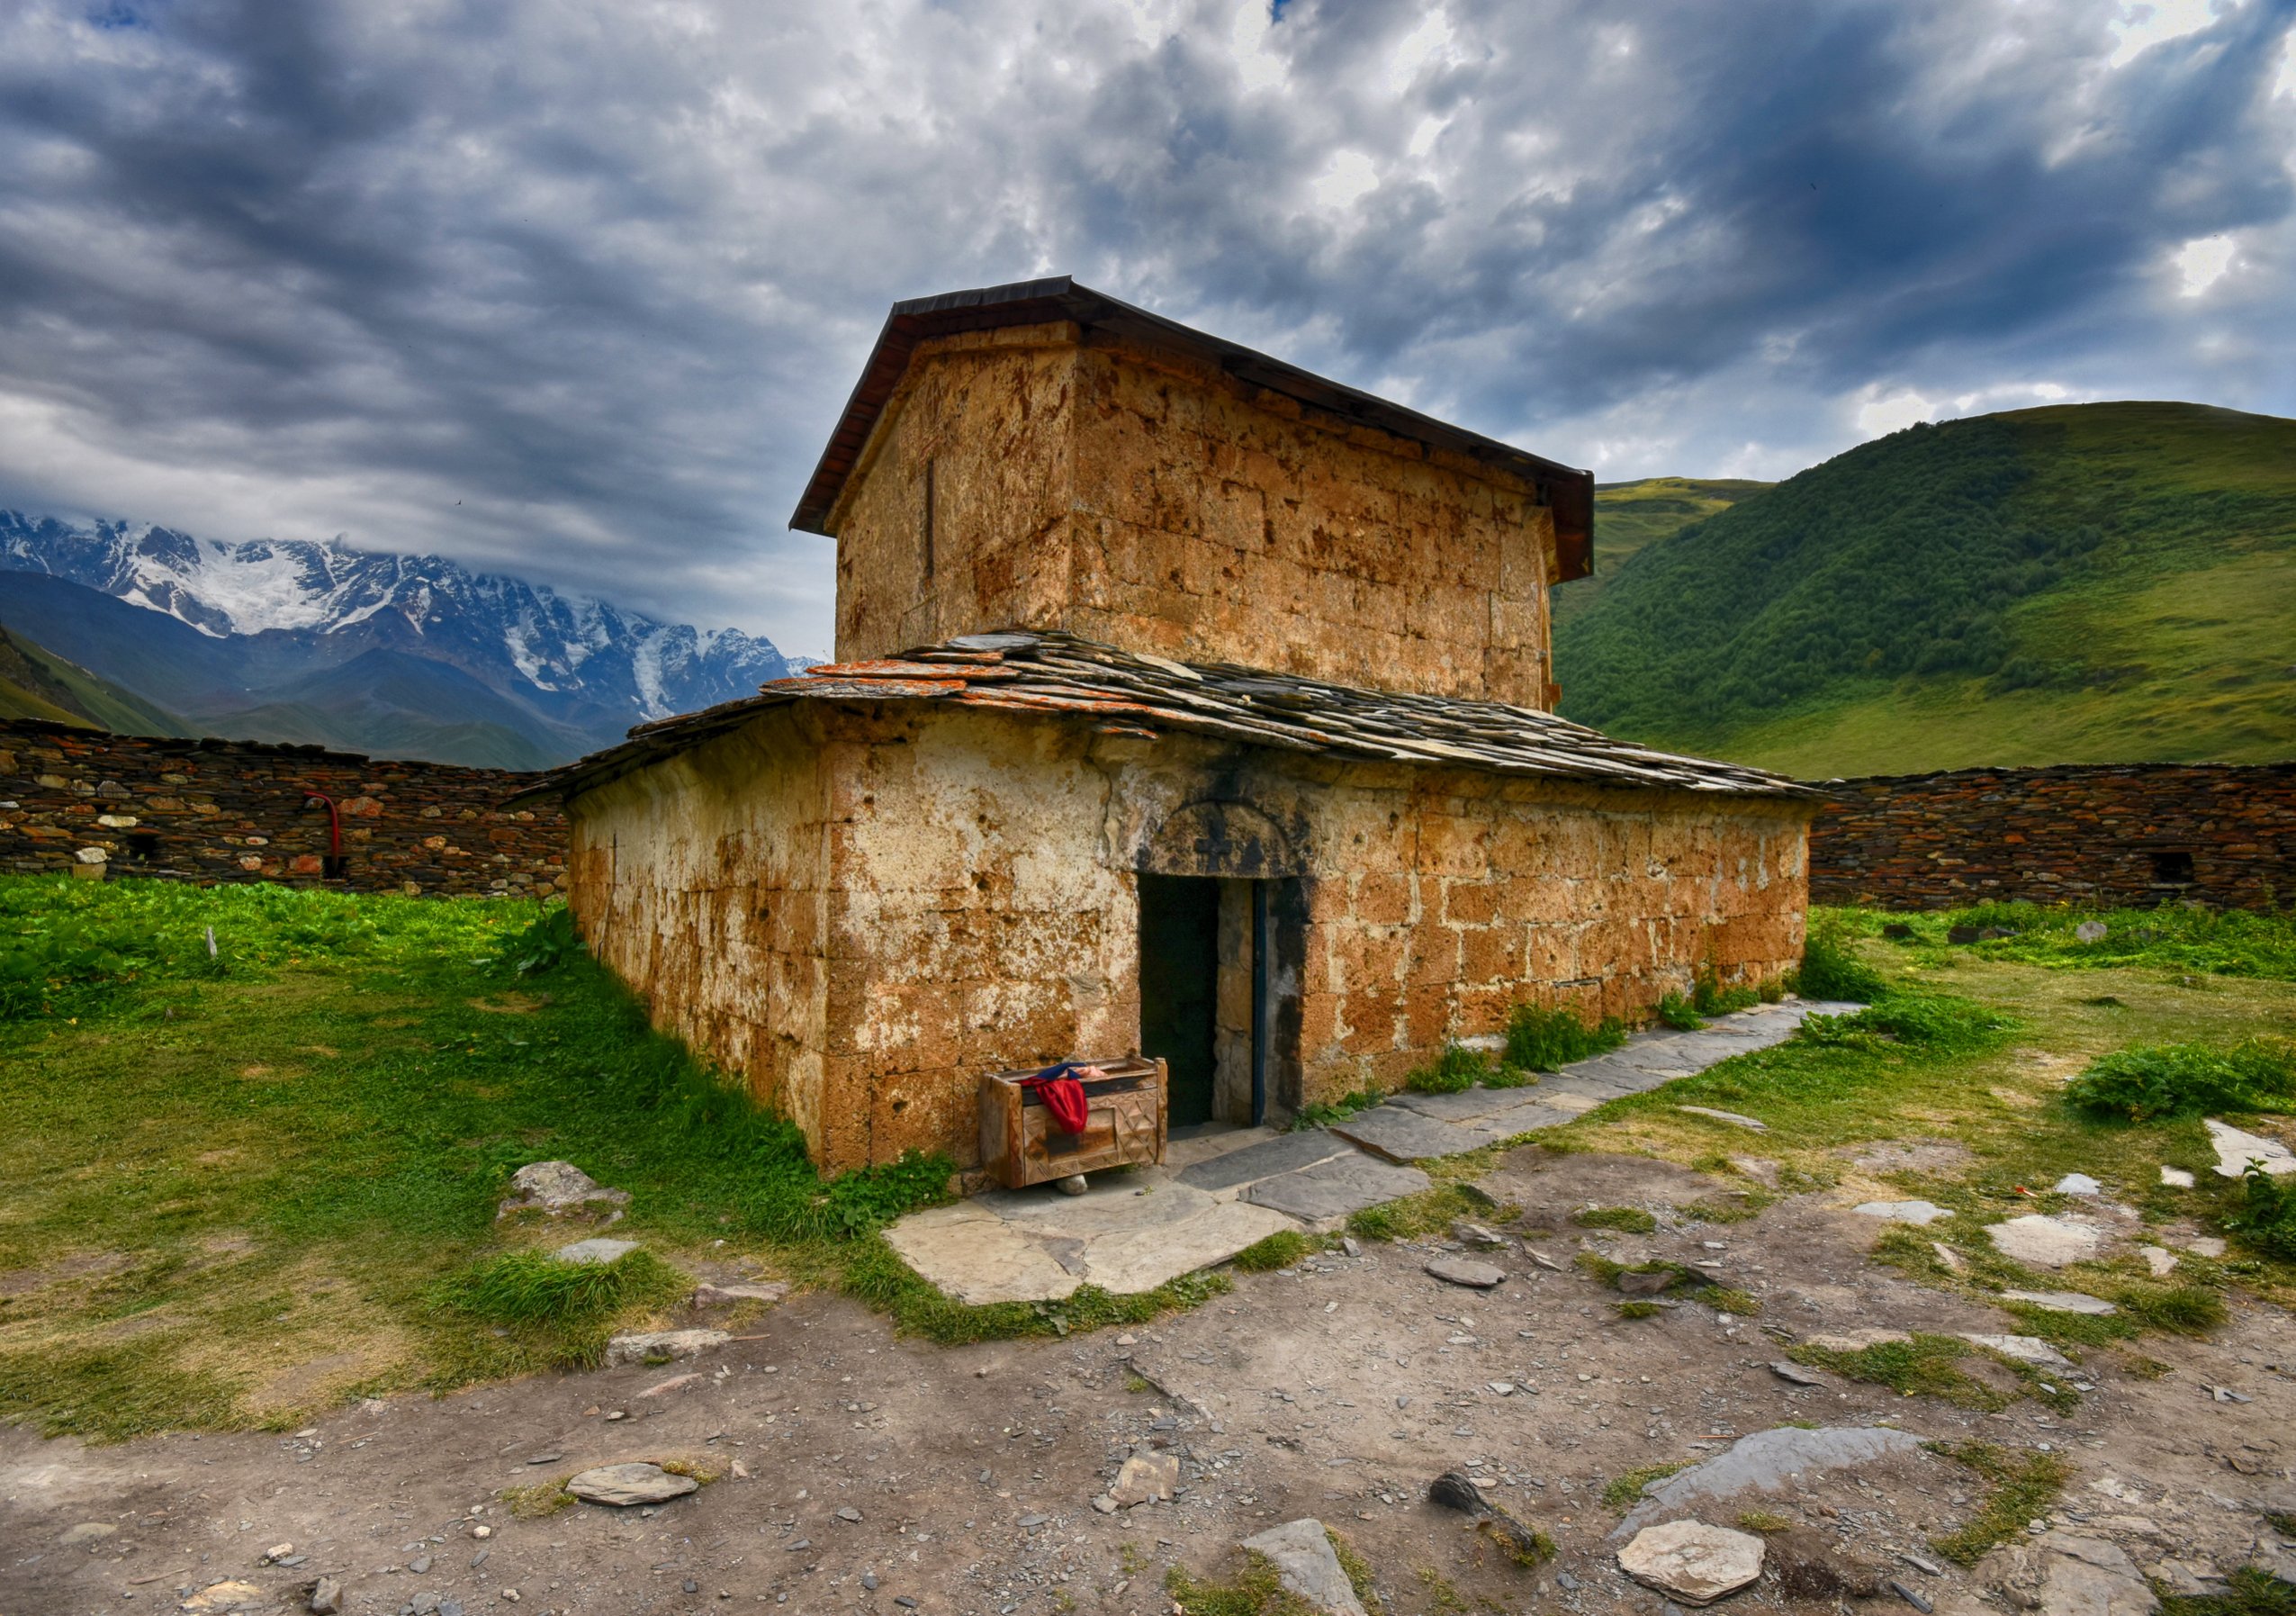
1179	987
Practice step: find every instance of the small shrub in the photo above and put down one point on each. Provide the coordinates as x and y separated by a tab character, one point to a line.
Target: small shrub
1550	1040
1631	1220
2267	1218
1280	1249
531	1287
1831	970
545	942
1458	1068
2155	1082
859	1202
1679	1014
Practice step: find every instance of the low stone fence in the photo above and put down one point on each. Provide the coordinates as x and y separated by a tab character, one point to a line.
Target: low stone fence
210	810
2113	835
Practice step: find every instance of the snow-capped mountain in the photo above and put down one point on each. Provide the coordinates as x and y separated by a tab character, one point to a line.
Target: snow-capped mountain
566	672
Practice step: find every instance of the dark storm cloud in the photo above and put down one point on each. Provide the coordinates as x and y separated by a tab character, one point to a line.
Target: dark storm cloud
602	274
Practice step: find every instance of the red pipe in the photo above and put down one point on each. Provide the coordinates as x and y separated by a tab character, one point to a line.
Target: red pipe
334	821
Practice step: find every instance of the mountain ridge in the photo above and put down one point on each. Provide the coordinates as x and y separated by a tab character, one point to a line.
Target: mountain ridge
560	674
2073	583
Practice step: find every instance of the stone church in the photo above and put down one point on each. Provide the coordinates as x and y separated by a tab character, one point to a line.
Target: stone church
1186	703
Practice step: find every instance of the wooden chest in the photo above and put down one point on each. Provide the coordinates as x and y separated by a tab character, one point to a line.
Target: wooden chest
1123	1126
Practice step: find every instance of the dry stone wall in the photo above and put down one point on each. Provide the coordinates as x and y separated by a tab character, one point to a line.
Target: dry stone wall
210	810
2111	835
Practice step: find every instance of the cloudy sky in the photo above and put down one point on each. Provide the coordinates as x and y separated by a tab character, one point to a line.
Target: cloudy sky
574	288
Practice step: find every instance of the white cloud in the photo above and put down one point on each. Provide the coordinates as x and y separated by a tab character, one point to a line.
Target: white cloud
2145	23
2203	262
1878	413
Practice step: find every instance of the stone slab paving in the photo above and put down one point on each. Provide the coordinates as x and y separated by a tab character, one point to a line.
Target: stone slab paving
1332	1190
1134	1230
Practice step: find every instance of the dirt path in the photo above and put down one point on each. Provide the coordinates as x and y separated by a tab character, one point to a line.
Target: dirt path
881	1472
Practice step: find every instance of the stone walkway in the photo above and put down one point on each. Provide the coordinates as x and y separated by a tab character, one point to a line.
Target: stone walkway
1217	1192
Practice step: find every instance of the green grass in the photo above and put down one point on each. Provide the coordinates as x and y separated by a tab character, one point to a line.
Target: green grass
1983	592
1974	1046
236	1181
2172	937
566	1308
2021	1486
1322	1113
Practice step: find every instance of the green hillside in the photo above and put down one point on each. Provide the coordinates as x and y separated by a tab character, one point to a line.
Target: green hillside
1630	515
2090	583
37	684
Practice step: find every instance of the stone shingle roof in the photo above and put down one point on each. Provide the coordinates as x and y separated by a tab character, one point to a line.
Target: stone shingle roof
1126	691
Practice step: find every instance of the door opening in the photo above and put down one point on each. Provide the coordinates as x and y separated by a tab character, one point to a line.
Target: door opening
1205	1003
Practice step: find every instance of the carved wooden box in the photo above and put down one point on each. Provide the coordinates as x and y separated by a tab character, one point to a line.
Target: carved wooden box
1123	1126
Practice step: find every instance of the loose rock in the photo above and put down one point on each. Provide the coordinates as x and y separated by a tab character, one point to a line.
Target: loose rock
1459	1271
556	1188
596	1249
2024	1349
326	1596
2176	1178
1856	1340
2079	1184
2065	1574
708	1294
2091	931
225	1596
2063	1302
2235	1148
86	1532
1306	1567
1766	1462
622	1485
1456	1490
2049	1242
1474	1234
1794	1373
1691	1561
659	1346
2162	1263
1145	1476
1903	1212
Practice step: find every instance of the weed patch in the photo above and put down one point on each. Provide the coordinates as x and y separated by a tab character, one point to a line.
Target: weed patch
532	1503
2266	1220
1429	1212
1458	1068
1550	1040
1322	1113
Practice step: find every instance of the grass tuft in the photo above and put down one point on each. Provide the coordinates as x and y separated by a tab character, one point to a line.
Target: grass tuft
1620	1492
2023	1486
1280	1249
1541	1040
2155	1082
1630	1220
532	1288
537	1501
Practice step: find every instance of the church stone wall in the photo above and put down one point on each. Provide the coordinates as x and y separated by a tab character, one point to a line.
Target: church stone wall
1139	498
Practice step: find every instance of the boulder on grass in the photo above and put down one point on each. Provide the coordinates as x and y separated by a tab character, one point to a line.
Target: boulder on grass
557	1189
622	1486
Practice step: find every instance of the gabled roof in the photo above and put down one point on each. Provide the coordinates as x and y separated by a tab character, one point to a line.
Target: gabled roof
1061	675
1569	491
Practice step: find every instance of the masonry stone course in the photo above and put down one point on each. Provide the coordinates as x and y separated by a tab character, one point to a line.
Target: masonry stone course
2107	834
214	810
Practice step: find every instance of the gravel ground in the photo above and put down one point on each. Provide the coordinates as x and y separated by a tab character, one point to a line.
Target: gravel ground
863	1472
